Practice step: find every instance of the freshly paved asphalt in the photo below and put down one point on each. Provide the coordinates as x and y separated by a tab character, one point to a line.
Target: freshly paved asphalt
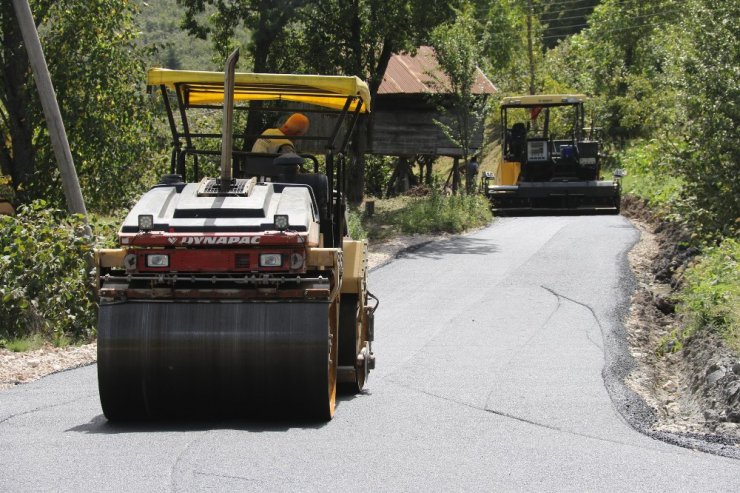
500	355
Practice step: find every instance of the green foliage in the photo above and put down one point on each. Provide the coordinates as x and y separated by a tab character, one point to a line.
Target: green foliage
458	54
168	44
378	170
709	155
667	72
437	213
354	224
499	36
649	175
711	294
6	189
44	284
561	19
98	74
265	20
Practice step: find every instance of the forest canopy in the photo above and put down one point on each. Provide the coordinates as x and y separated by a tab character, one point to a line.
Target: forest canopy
663	74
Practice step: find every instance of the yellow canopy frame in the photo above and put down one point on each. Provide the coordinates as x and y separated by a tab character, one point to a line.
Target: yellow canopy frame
328	91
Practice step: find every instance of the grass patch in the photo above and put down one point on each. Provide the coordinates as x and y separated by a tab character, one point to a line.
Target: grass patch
710	297
434	213
24	344
354	224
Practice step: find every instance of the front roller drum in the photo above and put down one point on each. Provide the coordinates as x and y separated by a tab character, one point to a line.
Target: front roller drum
169	360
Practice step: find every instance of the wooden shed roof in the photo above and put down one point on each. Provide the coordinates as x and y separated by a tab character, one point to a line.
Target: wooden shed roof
421	74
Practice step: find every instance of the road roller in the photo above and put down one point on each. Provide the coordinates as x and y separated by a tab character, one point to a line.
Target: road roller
549	162
236	289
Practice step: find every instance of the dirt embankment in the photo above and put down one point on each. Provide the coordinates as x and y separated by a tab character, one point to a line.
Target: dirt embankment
695	389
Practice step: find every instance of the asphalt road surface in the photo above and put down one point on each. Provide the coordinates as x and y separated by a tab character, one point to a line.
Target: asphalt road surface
499	360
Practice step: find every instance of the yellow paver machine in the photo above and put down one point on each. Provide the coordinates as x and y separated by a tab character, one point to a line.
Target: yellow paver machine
548	162
238	293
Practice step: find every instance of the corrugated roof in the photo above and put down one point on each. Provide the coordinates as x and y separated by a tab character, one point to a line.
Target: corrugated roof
420	74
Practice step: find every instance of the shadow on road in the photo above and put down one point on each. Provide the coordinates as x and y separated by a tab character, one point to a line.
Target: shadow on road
100	425
464	245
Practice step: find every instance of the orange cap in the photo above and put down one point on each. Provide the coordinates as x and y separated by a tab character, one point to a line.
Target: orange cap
296	124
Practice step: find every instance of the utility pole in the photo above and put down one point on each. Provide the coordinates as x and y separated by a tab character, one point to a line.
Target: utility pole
529	47
57	133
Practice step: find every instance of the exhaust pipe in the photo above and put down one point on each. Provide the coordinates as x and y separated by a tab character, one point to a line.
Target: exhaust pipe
227	134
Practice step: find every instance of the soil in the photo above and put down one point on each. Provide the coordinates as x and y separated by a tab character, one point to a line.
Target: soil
694	390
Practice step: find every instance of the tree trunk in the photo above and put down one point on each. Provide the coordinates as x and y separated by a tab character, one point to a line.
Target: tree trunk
428	162
20	161
455	175
356	172
254	116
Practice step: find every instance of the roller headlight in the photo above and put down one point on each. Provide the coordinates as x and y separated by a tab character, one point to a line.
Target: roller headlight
271	260
157	260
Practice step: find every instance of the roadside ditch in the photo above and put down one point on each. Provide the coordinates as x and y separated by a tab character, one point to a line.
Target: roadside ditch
694	391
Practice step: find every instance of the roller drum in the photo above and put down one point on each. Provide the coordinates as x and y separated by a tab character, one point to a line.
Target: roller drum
174	359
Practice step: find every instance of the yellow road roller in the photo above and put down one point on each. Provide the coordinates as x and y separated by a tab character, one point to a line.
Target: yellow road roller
236	289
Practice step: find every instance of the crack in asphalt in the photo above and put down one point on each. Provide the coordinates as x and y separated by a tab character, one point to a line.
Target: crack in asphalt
591	310
43	408
529	421
180	456
224	476
525	344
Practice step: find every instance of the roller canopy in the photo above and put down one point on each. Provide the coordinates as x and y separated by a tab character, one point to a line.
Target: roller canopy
328	91
543	100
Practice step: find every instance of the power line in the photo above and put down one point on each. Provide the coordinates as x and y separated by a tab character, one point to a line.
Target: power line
634	26
570	26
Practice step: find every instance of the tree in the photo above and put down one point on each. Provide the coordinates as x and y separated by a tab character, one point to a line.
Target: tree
708	155
458	53
499	35
562	19
358	37
667	72
265	20
343	37
98	79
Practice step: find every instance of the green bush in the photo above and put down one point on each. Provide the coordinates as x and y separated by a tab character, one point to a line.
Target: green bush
354	224
710	297
649	174
437	213
44	284
6	190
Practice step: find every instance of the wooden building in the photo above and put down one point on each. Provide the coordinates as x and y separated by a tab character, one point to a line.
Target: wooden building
408	103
